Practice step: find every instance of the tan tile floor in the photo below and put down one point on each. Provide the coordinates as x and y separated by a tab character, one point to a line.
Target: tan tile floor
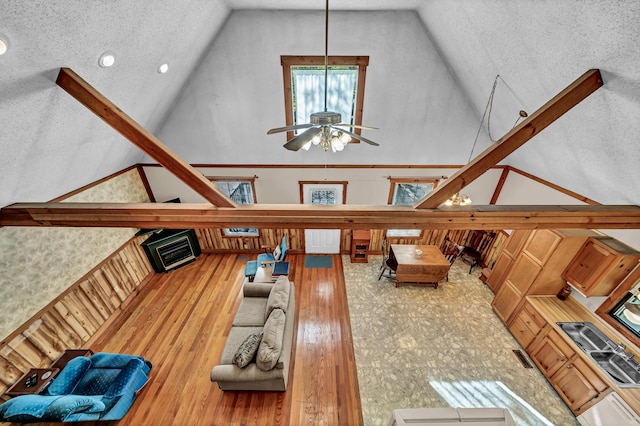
426	347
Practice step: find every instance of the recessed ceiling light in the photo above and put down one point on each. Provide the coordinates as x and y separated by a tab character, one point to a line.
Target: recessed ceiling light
163	68
107	59
4	44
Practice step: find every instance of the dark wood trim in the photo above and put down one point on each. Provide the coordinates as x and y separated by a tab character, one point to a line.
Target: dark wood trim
344	183
393	181
288	61
577	91
306	216
145	182
556	187
499	185
97	103
613	299
323	166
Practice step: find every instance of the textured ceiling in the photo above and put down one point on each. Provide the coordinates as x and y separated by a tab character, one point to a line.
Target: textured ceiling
50	144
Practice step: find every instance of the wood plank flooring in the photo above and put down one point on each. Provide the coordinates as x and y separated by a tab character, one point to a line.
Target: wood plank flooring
181	320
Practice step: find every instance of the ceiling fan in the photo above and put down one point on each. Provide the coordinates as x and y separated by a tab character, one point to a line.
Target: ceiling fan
325	128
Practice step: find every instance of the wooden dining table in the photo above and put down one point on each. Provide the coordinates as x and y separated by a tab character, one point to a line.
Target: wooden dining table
428	269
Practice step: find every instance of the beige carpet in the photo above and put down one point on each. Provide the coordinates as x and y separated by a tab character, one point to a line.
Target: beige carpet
426	347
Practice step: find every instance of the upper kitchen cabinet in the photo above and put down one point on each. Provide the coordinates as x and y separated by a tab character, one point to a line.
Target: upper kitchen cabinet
600	265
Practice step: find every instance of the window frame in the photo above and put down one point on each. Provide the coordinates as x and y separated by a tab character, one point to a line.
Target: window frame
392	186
227	232
287	61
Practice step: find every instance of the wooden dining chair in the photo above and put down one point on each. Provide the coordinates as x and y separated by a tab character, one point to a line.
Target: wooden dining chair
450	250
388	264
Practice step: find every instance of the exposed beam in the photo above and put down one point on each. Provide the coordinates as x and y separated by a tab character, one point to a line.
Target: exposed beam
159	215
588	83
95	101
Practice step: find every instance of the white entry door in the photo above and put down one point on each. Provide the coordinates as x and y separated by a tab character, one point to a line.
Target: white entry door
322	241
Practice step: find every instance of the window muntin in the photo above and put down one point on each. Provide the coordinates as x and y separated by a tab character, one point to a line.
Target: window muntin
406	192
311	68
241	191
307	83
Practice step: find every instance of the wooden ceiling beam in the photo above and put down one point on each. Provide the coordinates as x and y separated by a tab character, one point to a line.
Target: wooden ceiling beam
95	101
577	91
180	216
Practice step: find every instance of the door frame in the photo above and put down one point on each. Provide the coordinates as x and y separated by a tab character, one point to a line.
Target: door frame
344	184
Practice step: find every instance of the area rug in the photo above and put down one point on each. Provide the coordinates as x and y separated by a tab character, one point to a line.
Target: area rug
318	262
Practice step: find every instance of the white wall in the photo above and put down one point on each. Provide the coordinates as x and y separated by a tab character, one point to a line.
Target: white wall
237	94
280	185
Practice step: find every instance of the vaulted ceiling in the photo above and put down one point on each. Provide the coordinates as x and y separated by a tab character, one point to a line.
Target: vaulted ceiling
51	144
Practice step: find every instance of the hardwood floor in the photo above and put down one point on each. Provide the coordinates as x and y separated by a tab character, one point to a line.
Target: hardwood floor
180	322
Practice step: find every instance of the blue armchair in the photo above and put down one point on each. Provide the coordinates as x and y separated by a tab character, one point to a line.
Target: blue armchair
278	255
102	387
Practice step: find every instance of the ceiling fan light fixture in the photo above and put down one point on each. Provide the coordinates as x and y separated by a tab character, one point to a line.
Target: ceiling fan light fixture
458	200
325	128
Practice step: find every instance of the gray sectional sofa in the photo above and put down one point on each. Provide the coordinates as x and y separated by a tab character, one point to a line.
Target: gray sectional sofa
270	309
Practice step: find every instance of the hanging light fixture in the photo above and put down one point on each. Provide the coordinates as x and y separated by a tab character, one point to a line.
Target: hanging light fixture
464	200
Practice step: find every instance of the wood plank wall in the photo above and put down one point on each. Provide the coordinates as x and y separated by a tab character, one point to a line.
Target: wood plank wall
212	241
76	316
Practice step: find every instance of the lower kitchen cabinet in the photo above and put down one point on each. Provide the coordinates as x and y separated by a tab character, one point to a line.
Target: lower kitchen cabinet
526	325
578	385
550	353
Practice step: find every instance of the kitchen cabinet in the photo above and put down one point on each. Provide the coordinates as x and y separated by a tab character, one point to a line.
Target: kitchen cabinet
578	385
600	265
574	380
551	353
360	240
536	269
527	325
503	264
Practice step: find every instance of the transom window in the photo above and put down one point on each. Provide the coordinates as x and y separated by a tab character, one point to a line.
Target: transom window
406	192
304	88
242	191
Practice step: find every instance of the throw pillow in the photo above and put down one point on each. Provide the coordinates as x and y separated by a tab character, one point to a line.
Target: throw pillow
247	350
277	252
278	296
271	344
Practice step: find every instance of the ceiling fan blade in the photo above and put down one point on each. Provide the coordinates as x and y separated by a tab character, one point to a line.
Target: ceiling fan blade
360	138
302	139
288	128
356	126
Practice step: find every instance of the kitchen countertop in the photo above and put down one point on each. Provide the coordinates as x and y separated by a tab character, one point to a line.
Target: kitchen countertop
555	310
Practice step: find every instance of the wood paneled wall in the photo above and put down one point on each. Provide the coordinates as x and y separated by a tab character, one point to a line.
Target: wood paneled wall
431	237
76	316
212	241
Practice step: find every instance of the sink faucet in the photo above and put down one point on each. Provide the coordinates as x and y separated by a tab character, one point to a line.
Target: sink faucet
617	348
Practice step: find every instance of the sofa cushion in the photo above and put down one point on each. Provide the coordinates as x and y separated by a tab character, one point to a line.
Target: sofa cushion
69	377
251	312
279	296
247	350
235	338
271	344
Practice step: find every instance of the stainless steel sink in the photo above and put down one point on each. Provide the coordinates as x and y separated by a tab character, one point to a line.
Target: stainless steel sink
586	335
607	355
622	370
